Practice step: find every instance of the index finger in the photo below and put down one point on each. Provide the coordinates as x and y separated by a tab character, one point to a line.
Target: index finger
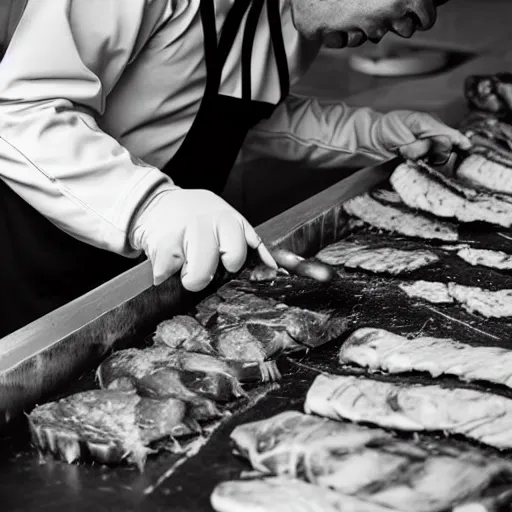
255	242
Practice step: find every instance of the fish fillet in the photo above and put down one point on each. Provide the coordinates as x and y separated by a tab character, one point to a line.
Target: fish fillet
491	304
391	218
485	257
425	189
284	495
381	350
382	259
368	463
483	417
484	173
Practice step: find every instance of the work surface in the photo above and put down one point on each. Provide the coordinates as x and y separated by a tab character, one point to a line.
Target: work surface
28	482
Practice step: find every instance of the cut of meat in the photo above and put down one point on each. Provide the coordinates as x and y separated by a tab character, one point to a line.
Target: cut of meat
381	350
484	173
284	495
368	463
441	483
250	328
379	260
491	304
483	417
278	445
423	188
496	304
434	292
492	259
387	197
488	132
109	426
249	341
205	375
184	332
399	220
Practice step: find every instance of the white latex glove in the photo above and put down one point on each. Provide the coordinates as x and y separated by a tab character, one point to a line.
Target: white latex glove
192	230
416	135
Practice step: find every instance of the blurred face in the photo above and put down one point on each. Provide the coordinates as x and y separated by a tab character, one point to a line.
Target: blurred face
340	23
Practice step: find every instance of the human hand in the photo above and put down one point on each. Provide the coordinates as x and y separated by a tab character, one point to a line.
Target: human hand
416	135
193	230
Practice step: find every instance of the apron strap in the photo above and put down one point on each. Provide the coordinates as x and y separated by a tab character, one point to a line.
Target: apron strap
247	46
276	34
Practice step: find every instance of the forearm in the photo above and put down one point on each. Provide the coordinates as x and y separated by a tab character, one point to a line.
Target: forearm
317	133
78	177
52	87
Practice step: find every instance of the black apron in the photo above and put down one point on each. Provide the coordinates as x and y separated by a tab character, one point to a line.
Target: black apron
42	268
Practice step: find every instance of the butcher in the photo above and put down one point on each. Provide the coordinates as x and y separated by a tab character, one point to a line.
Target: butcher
120	121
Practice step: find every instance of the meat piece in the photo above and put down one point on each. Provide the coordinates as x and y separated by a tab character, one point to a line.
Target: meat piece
481	172
434	292
278	445
423	188
379	260
491	304
368	463
387	197
109	426
492	259
214	378
483	417
496	304
487	131
253	341
256	328
399	220
184	332
206	310
284	495
381	350
490	93
441	482
195	388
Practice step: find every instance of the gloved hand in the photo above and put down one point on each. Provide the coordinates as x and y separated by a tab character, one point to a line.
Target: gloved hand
192	230
416	135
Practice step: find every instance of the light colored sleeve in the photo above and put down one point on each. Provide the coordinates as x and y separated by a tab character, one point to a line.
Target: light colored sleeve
64	58
317	133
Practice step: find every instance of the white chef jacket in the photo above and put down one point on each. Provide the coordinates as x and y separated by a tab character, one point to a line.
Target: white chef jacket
97	95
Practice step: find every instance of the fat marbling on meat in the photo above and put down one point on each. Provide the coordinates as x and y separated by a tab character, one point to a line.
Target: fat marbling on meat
428	190
381	350
284	495
477	415
388	260
400	220
485	257
490	304
481	172
368	463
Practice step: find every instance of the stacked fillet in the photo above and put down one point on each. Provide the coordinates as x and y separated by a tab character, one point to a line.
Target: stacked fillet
150	398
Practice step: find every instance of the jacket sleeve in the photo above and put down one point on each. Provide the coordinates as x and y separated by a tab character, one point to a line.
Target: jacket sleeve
317	133
64	58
